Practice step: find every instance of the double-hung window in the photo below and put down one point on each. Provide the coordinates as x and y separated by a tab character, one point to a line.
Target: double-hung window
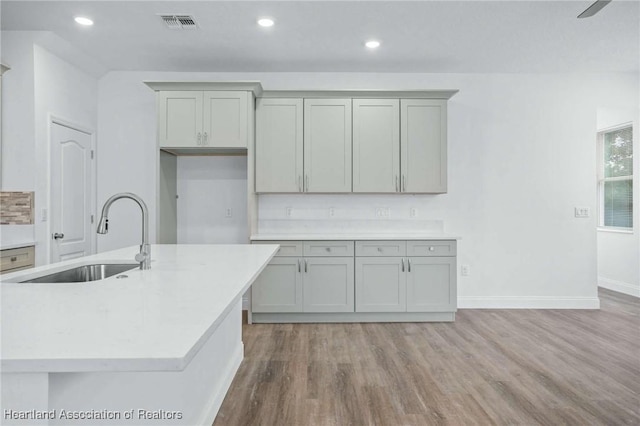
615	178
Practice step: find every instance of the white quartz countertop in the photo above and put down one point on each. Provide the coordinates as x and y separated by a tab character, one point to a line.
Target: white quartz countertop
354	236
15	236
154	320
17	244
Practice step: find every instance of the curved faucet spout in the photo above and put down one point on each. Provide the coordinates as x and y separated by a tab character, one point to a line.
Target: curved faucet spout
144	257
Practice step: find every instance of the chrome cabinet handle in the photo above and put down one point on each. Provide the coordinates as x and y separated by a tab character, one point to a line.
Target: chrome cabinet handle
380	249
432	248
396	183
205	139
299	265
328	249
14	258
404	183
306	177
409	264
403	264
199	138
57	236
305	265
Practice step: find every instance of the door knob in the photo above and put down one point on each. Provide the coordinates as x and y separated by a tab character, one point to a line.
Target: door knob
57	236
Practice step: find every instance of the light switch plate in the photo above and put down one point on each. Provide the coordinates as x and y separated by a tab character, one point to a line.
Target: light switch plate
464	270
582	212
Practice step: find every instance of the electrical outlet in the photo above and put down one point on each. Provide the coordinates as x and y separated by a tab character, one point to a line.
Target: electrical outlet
332	212
229	212
382	212
465	270
413	212
288	211
582	212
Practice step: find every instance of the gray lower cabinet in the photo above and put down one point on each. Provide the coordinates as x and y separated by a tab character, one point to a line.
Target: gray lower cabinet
342	281
279	287
380	284
328	284
431	284
295	282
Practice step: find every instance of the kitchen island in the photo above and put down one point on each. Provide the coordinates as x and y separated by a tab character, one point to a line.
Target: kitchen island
159	346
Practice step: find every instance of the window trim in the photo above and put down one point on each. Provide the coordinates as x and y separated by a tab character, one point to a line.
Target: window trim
601	179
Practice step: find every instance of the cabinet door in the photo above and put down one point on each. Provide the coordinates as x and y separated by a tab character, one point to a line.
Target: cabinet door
431	284
279	287
381	284
423	145
328	284
225	119
376	145
279	145
327	145
179	118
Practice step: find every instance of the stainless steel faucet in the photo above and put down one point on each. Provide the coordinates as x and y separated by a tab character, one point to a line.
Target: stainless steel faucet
144	257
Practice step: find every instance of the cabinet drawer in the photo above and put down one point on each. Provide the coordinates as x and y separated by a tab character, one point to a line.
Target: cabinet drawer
287	248
328	248
381	248
15	259
431	248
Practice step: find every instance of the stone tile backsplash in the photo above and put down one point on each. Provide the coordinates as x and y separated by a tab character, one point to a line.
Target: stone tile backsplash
16	208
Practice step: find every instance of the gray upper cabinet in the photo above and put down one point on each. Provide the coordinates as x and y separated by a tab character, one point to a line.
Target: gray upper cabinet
423	145
203	119
327	145
360	145
225	119
376	145
180	118
279	145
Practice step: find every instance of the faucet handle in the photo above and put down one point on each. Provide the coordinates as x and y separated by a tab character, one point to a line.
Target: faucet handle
141	257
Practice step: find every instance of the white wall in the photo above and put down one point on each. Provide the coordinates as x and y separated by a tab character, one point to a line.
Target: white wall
39	86
521	158
619	252
207	188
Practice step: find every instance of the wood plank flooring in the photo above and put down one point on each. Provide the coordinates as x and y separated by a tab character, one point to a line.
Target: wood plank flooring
490	367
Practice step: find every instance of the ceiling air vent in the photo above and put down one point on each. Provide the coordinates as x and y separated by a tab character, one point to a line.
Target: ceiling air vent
179	22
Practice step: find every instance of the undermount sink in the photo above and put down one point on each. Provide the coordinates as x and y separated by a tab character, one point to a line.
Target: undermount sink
85	273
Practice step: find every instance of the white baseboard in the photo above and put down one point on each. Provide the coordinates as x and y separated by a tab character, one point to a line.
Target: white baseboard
619	286
528	302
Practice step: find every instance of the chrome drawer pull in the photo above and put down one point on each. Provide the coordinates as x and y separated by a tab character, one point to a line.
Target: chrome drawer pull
14	258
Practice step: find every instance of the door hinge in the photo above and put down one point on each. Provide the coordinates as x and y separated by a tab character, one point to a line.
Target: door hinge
92	154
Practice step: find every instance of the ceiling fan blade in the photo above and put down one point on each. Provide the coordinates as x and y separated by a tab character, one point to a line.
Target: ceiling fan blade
594	8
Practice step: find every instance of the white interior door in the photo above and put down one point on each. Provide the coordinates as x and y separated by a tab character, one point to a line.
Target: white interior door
71	193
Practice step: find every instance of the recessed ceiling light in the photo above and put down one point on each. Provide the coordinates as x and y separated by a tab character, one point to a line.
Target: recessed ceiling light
372	44
83	21
265	22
